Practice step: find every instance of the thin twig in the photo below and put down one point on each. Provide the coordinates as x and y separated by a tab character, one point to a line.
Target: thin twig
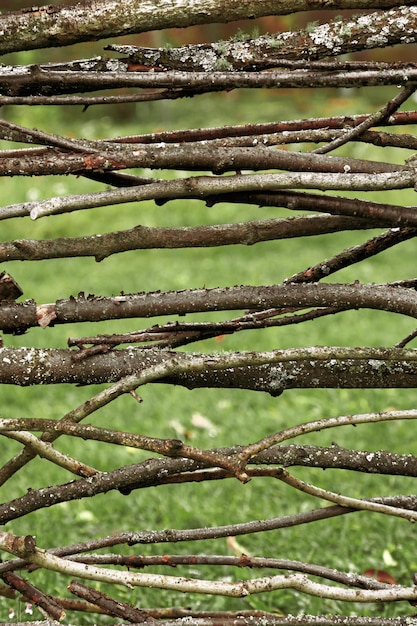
373	120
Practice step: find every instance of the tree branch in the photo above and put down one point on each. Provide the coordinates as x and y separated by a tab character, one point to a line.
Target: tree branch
188	157
56	83
336	37
42	27
21	316
304	368
243	588
202	187
144	237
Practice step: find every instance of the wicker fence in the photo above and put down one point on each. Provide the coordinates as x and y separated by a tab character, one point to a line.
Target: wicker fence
286	166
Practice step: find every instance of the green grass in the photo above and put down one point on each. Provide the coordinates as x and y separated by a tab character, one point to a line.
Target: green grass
352	543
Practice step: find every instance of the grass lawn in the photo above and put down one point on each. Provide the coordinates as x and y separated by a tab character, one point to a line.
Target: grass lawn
350	543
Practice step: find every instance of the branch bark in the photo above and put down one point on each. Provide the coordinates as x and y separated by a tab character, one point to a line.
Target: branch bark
333	38
18	317
54	83
307	368
202	187
185	157
144	237
41	27
185	72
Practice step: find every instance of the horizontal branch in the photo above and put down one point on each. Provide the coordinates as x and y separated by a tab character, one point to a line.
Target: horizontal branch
188	157
17	317
262	128
146	237
243	561
271	372
339	36
335	457
334	205
239	589
88	21
184	617
202	187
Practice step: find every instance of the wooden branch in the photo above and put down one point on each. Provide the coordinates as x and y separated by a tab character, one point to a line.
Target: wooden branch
336	37
9	289
309	368
46	451
334	205
342	500
13	83
35	595
334	457
187	157
241	588
17	317
87	21
204	187
110	606
261	128
145	237
172	617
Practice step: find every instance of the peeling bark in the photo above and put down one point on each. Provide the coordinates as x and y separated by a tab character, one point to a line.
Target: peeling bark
18	317
337	37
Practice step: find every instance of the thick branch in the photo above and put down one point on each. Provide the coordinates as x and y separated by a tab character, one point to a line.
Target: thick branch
333	38
304	368
145	237
202	187
21	316
42	27
187	157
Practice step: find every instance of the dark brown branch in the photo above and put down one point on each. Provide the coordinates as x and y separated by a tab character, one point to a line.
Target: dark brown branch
9	289
14	132
21	316
354	255
406	340
180	334
110	606
379	116
334	205
264	128
87	101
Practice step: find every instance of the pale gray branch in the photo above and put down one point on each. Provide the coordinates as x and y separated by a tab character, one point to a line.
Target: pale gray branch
202	187
87	21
